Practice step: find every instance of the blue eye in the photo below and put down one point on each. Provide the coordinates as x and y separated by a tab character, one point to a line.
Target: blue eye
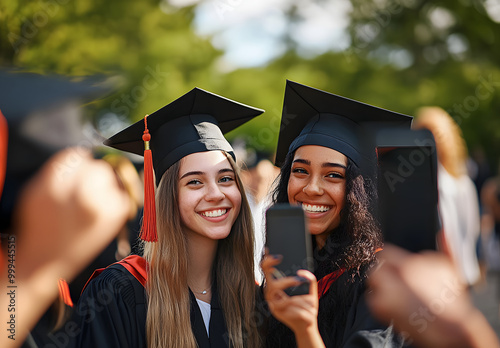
299	170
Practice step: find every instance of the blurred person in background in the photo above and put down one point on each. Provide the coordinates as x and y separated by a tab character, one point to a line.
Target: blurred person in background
59	207
121	246
479	171
479	168
458	199
133	184
258	174
490	198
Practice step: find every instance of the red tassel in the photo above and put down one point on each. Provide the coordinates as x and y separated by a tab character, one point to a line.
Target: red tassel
148	231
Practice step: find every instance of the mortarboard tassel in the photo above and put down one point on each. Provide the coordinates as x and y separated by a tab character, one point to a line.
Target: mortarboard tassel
148	231
64	293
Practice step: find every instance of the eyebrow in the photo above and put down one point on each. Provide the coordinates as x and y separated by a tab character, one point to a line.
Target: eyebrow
324	165
200	173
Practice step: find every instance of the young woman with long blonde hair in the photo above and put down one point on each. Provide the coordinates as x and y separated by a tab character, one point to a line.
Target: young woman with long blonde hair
194	286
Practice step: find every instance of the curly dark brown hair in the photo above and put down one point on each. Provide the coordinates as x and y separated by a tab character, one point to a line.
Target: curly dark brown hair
358	231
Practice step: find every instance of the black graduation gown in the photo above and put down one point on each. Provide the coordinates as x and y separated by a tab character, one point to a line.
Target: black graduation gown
112	313
343	317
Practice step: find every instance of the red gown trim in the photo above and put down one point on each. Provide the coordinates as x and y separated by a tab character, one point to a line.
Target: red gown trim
327	281
136	265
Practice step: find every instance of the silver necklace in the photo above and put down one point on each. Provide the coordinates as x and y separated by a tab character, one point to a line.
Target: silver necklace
204	292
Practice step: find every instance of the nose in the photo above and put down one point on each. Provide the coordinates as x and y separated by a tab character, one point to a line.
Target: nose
214	193
313	187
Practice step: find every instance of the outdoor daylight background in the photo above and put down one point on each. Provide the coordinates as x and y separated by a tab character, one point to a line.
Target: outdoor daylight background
398	55
395	54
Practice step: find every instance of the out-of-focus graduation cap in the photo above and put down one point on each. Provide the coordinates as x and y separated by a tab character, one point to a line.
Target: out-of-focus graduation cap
195	122
314	117
22	93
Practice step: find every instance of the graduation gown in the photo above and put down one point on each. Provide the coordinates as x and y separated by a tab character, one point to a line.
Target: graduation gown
344	319
112	313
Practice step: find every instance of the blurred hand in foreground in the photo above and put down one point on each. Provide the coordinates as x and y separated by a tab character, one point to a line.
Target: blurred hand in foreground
66	214
423	297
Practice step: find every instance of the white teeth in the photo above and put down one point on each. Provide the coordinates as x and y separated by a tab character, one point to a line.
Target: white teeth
214	213
315	208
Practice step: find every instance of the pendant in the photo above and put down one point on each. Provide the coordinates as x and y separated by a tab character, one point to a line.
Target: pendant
204	292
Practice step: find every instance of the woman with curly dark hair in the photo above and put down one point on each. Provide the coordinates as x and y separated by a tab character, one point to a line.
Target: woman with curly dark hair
327	167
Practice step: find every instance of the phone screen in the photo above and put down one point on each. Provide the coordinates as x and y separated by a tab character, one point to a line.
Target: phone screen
286	235
407	185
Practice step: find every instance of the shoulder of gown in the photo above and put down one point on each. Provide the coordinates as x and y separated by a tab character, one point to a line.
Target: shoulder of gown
111	311
363	330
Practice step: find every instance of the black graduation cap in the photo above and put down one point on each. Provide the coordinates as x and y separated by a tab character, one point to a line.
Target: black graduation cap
195	122
22	93
314	117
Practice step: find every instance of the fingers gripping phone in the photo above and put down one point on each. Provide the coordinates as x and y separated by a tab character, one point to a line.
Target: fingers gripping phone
287	235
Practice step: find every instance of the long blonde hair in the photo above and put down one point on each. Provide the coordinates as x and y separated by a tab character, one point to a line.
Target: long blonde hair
168	318
450	145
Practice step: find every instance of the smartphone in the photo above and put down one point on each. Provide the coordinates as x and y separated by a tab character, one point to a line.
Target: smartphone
287	235
407	189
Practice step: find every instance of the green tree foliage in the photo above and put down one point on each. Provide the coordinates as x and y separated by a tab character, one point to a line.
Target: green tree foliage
443	53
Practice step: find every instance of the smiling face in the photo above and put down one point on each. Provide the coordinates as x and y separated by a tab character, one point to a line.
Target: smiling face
209	197
317	183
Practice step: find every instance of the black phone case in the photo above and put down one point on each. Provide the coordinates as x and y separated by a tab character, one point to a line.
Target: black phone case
407	185
287	236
